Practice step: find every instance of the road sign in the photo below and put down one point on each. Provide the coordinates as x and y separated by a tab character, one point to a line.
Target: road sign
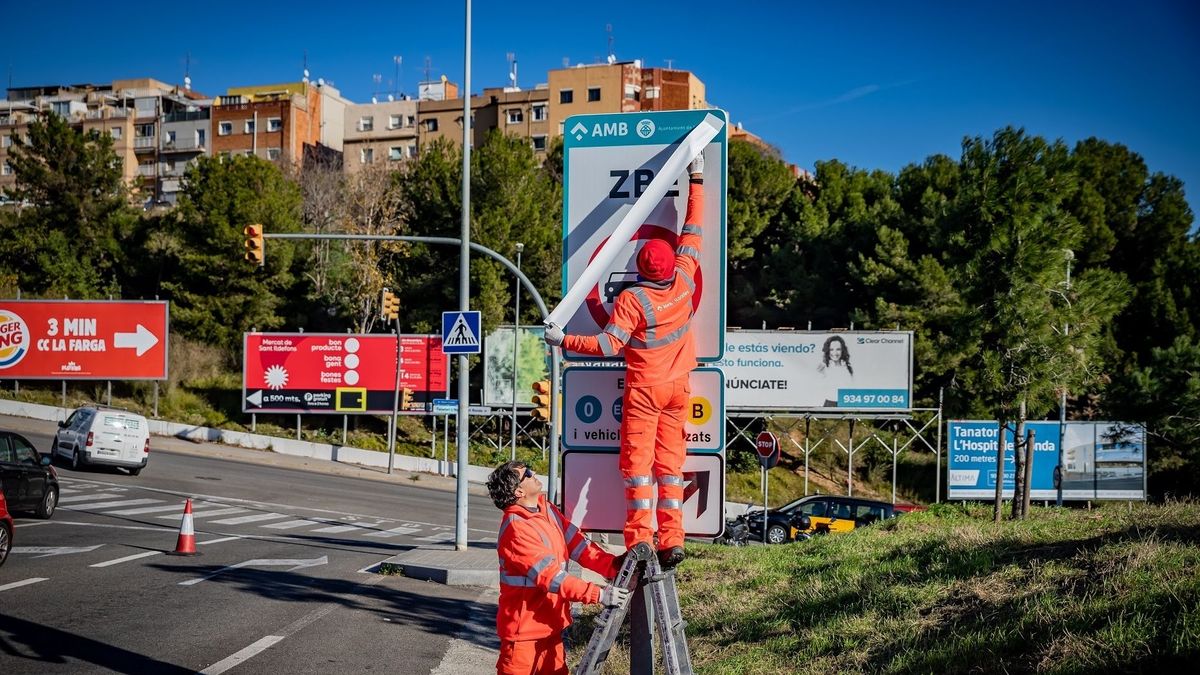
445	406
767	447
609	162
592	398
593	493
460	333
339	373
83	340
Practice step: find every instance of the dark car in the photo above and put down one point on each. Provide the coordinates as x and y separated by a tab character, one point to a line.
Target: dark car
30	483
817	514
6	530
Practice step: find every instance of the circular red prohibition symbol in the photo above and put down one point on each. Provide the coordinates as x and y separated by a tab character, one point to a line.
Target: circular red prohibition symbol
613	282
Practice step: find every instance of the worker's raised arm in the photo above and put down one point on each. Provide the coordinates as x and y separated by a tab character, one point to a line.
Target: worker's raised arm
687	251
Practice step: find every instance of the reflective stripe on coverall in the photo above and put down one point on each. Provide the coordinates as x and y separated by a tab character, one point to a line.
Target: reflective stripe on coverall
652	322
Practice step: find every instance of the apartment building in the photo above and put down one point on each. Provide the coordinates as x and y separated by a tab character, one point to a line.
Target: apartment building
524	113
15	118
442	118
379	132
670	89
599	88
274	122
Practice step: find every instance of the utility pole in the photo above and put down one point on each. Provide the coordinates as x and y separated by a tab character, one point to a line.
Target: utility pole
464	294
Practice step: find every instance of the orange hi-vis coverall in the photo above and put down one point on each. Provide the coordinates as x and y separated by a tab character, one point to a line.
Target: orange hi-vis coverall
535	590
652	321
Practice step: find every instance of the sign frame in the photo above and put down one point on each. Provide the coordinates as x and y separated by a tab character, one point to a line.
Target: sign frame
473	320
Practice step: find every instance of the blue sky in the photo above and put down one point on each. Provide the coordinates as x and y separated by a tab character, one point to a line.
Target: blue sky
877	85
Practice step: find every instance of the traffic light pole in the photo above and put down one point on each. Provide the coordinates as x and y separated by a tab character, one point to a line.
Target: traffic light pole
556	355
395	400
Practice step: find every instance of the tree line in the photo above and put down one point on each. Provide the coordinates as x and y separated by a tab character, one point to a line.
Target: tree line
1024	267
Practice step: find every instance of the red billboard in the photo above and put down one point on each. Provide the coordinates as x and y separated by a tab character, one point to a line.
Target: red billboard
83	340
339	373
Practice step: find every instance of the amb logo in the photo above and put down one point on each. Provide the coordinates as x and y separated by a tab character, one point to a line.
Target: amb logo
14	339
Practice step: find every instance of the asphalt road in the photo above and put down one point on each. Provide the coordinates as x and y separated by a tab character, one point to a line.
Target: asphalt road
283	582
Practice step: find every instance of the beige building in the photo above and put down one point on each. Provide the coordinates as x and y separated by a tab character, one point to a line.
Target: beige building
524	113
379	132
588	89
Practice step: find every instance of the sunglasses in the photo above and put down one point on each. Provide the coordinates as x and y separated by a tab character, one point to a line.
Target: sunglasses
528	473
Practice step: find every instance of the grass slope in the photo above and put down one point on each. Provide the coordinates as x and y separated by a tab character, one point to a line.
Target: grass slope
1114	589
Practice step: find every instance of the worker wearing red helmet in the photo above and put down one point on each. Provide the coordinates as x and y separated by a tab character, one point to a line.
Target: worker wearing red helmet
651	320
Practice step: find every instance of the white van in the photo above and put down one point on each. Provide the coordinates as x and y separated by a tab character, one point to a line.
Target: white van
107	436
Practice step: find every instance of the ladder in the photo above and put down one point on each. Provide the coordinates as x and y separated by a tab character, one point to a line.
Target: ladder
642	570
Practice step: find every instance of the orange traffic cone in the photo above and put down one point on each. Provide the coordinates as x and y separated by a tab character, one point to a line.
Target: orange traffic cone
187	535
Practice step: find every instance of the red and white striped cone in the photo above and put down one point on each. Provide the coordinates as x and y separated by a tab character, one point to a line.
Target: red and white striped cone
187	535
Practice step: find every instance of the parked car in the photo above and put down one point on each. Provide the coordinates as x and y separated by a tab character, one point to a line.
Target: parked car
108	436
6	530
817	514
30	483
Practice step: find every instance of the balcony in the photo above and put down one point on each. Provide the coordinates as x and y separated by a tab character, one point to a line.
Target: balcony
182	145
141	143
185	116
146	171
107	114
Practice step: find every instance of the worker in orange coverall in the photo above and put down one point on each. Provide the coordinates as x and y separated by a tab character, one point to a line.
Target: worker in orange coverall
652	321
535	590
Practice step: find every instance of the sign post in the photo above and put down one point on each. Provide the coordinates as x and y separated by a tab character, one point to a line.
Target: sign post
767	447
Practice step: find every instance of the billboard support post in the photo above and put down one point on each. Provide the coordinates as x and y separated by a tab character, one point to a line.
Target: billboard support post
807	449
64	393
108	394
895	455
298	426
850	463
765	487
937	481
155	413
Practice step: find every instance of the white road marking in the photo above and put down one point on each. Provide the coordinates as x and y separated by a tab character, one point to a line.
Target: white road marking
47	551
244	655
338	528
208	514
394	531
292	563
216	541
70	499
118	561
115	527
147	509
289	524
108	505
33	524
254	518
25	582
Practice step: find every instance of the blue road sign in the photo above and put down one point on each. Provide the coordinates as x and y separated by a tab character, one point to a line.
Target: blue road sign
460	333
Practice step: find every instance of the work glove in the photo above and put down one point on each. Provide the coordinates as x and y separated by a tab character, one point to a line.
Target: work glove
697	165
554	335
618	563
614	596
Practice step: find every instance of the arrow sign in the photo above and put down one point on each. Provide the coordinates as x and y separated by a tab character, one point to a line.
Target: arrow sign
142	340
693	482
255	398
47	551
292	564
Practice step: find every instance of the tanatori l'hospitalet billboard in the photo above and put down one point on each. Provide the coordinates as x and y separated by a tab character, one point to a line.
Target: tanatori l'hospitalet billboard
803	370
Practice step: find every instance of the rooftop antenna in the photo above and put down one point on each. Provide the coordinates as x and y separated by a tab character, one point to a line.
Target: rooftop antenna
670	62
512	69
612	58
305	80
187	72
428	67
398	60
566	62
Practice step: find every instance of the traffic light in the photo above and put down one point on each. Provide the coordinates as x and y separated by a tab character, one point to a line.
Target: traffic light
389	306
541	400
255	250
406	395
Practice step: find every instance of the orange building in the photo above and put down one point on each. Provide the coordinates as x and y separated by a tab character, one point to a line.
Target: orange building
274	122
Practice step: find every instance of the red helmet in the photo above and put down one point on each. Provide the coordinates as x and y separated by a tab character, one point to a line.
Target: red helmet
656	260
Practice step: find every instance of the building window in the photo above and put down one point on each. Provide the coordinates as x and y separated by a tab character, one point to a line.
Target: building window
366	123
410	121
274	124
394	121
6	170
516	116
431	124
367	155
273	153
633	92
412	150
395	153
225	155
249	127
652	92
143	130
115	132
539	143
5	141
566	96
248	153
593	94
200	137
169	137
539	113
169	166
224	128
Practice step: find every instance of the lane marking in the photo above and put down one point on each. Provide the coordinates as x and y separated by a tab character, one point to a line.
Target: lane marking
118	561
83	498
292	564
338	528
157	528
26	582
244	655
289	524
209	514
148	509
394	531
216	541
33	524
47	551
254	518
108	505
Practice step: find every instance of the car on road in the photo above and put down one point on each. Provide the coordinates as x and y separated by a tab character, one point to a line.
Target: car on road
30	483
6	530
817	514
97	435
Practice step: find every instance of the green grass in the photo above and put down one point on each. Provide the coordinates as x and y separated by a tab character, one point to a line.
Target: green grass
1114	589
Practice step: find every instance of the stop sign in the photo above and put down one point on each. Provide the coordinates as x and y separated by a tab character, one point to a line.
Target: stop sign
767	446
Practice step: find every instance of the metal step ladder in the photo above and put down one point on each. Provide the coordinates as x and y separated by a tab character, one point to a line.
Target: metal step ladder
642	572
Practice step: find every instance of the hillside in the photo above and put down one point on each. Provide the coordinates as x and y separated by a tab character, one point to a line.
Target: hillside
1114	589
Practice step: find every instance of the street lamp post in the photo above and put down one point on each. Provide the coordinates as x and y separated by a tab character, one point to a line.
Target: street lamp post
516	349
1069	255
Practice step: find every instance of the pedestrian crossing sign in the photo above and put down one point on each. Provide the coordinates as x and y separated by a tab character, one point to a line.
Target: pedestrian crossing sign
460	333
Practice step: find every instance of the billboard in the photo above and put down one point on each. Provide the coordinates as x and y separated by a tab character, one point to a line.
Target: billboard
797	370
339	373
1101	460
533	364
83	340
